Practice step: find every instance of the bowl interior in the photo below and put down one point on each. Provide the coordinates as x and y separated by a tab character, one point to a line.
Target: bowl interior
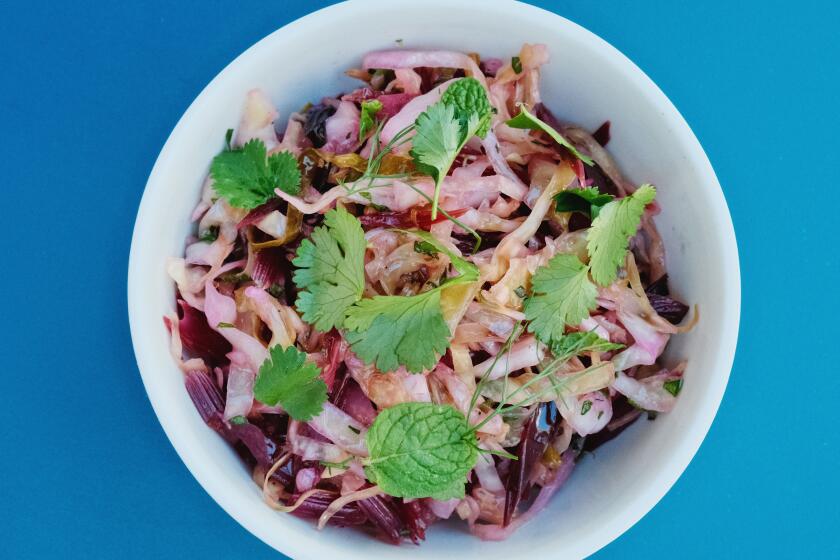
586	82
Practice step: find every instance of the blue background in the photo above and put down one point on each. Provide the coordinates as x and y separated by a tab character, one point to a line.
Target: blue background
91	91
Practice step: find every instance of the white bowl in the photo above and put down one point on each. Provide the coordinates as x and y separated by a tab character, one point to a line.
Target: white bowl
587	82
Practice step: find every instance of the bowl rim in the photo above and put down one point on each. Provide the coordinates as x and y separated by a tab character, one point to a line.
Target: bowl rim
248	517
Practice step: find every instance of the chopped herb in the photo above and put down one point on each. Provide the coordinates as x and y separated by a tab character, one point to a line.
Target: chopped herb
367	118
228	138
520	292
277	291
246	177
585	407
238	420
600	414
425	248
516	64
354	430
342	465
210	235
234	277
674	386
225	326
287	379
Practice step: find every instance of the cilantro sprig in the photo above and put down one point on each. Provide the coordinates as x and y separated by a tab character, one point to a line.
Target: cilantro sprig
410	331
610	234
563	293
443	129
246	177
330	274
287	379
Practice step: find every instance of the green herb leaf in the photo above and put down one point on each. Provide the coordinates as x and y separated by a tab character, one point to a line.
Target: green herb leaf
588	201
367	118
525	119
228	138
330	275
442	130
470	101
425	248
421	450
467	271
610	234
520	292
674	386
211	235
390	331
287	379
238	420
585	407
247	178
223	325
516	64
562	295
576	343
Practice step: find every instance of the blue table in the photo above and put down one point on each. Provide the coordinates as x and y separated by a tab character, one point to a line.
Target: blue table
90	93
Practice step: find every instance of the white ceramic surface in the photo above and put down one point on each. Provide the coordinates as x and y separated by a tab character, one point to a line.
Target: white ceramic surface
587	81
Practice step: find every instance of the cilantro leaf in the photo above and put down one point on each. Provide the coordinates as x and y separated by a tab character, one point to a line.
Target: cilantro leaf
330	275
390	331
421	450
563	295
287	379
588	201
576	343
610	234
527	120
367	118
442	130
247	178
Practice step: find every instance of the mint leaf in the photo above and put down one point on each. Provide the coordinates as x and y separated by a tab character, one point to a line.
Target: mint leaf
442	130
287	379
421	450
610	234
587	201
367	117
525	119
247	178
330	275
390	331
674	386
469	99
562	295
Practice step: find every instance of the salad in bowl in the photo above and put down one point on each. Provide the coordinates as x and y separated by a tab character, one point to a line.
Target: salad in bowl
424	298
